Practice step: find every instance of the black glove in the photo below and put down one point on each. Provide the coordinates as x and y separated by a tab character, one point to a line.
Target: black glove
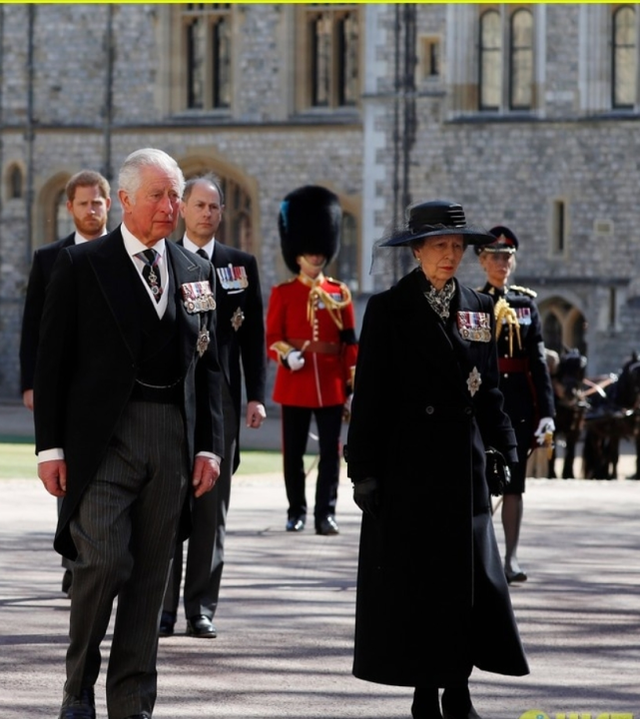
365	495
497	472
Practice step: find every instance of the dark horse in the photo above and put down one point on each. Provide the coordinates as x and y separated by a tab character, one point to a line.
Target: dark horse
614	415
571	406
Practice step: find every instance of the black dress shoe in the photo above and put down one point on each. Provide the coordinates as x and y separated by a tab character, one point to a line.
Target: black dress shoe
327	526
167	623
295	524
470	713
201	627
80	706
512	576
456	704
142	715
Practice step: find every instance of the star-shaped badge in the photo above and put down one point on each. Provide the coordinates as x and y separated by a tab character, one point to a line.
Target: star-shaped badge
237	319
474	381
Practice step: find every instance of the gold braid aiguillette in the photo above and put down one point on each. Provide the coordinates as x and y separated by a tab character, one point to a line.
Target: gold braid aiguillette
506	315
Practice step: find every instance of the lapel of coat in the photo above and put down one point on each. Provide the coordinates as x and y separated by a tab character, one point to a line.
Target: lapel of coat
220	259
443	350
183	270
116	276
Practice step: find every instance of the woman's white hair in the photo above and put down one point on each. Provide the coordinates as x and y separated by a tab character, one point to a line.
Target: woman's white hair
130	173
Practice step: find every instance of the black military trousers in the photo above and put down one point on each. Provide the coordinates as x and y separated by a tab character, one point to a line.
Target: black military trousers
295	432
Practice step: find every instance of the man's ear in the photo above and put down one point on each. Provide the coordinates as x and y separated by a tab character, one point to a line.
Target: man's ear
124	200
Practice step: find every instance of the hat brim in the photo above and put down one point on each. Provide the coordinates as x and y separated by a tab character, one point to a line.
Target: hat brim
505	249
472	236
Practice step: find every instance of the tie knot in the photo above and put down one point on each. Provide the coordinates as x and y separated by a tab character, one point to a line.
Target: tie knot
149	256
202	253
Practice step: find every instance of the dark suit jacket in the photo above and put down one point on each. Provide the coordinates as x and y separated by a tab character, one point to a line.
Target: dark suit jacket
89	347
240	329
41	268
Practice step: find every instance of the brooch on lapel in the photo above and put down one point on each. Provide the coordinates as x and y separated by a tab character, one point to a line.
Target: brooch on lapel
233	279
203	341
474	326
197	297
237	319
474	380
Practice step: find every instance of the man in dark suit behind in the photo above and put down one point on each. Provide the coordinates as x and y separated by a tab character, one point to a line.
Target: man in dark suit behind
88	203
127	414
240	337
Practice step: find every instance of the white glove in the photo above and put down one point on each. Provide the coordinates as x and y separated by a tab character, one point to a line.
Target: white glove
293	360
547	425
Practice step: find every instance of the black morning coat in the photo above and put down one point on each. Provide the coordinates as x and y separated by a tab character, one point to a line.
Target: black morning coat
240	330
44	259
90	339
432	599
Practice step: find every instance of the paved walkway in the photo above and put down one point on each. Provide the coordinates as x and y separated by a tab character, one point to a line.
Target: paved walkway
286	617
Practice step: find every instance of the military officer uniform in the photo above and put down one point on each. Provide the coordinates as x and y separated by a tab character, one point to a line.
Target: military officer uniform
524	375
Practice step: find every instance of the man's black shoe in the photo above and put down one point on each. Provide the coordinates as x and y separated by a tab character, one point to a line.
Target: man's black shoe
201	627
327	526
167	623
295	524
82	706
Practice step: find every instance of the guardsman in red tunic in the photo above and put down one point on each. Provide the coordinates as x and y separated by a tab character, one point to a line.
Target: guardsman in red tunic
524	377
311	335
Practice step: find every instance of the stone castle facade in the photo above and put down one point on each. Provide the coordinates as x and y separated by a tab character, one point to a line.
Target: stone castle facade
527	120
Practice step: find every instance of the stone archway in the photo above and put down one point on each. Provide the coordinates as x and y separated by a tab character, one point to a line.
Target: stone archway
563	325
52	220
240	226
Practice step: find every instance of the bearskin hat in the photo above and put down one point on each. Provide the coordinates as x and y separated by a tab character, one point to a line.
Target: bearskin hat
309	223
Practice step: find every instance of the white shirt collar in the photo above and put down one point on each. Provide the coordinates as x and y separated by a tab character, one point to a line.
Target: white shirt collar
133	245
192	247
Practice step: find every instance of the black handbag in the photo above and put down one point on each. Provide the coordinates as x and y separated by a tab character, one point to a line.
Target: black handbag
497	472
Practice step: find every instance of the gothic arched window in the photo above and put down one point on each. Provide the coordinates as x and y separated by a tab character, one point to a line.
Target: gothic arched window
521	61
624	59
490	60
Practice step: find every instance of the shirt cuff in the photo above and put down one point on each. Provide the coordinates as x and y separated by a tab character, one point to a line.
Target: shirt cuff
210	455
47	455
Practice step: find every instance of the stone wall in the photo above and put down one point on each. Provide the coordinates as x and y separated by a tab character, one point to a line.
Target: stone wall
505	169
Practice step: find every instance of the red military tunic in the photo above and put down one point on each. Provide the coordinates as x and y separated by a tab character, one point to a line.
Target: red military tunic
316	317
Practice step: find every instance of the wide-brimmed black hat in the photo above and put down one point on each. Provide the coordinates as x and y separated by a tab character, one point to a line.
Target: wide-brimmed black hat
309	222
505	241
431	219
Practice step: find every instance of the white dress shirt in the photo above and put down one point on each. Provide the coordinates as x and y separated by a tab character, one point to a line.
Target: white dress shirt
133	246
192	247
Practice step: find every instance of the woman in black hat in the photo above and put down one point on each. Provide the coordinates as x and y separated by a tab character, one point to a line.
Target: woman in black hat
524	377
432	600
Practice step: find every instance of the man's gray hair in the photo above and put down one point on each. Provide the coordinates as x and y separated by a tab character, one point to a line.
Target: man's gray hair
129	176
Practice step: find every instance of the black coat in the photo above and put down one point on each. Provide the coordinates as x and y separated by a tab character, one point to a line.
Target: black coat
432	598
90	338
240	329
41	268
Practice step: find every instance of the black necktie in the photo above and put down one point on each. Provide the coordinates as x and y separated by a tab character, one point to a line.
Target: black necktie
202	253
151	272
